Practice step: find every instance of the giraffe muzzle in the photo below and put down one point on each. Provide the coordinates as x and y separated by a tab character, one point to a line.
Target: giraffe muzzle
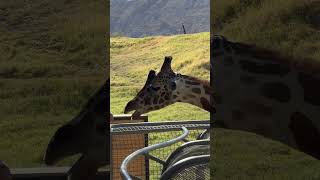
129	107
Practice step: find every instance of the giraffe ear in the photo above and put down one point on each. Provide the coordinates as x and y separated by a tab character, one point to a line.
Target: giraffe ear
151	76
166	66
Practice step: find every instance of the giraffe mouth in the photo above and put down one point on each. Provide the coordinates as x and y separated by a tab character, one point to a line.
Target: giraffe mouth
129	107
135	115
127	110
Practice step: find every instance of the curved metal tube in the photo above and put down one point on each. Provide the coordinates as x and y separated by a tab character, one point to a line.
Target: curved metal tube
123	168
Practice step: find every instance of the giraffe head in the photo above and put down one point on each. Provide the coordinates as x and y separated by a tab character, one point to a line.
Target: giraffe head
157	91
82	132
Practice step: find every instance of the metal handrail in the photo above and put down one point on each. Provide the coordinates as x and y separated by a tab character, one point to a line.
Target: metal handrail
146	127
123	168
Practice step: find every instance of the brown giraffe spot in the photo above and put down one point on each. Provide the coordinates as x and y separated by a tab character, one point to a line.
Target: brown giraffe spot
228	61
206	105
155	100
166	97
162	94
215	44
238	115
238	49
217	53
261	109
270	69
305	133
311	86
217	99
174	96
276	90
173	86
192	83
218	124
207	90
257	108
248	80
196	90
161	101
147	101
227	47
191	96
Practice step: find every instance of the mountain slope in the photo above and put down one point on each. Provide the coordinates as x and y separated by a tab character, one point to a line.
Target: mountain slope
136	18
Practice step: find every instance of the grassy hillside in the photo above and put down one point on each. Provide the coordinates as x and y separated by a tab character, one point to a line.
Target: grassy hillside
52	60
132	58
293	28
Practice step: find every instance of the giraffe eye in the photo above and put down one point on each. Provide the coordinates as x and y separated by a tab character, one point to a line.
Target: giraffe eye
154	88
173	85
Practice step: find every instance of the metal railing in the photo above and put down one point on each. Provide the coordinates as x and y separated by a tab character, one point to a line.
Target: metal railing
145	151
51	173
154	149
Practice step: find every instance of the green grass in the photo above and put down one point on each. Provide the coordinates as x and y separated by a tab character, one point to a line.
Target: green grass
285	26
52	60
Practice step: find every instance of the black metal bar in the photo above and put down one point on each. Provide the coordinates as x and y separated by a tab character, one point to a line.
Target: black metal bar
146	144
184	30
149	156
163	123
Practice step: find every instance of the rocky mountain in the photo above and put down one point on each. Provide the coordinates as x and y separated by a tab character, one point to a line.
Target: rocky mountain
137	18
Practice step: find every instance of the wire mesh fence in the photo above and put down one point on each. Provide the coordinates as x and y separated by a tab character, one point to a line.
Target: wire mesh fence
163	153
127	138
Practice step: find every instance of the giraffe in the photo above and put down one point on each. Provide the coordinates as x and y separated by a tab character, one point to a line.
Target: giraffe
166	88
86	134
256	90
260	91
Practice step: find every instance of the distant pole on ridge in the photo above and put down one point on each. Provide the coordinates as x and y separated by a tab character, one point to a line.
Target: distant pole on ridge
184	30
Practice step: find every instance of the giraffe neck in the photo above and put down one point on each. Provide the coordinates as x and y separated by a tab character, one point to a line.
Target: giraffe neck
193	91
265	93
